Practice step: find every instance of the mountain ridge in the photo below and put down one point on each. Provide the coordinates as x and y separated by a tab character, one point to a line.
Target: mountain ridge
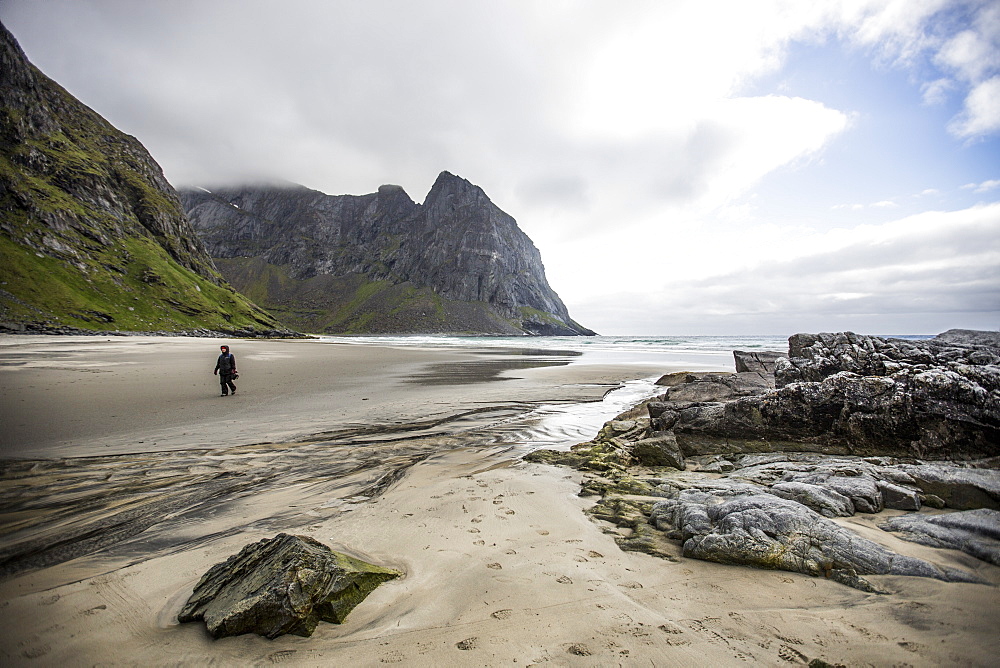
92	235
456	263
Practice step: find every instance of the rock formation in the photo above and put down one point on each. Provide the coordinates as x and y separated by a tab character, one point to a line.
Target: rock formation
758	529
92	236
847	393
285	584
381	262
745	468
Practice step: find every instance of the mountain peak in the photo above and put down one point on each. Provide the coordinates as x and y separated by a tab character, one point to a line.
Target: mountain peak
382	264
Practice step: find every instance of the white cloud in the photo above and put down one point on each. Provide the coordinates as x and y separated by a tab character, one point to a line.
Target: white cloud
623	137
981	115
939	268
936	92
985	186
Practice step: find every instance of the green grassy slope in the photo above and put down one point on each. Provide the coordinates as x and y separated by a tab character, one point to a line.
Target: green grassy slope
91	234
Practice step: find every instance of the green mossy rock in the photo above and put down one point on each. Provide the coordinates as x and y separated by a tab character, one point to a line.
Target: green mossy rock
285	584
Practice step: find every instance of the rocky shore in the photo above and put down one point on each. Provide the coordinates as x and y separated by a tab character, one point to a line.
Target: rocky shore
755	467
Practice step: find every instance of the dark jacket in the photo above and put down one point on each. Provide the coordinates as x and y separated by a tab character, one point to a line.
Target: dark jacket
226	363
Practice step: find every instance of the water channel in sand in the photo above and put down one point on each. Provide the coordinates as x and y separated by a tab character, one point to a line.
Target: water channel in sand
109	511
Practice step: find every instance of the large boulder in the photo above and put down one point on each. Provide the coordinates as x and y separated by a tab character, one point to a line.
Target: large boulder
975	532
767	531
285	584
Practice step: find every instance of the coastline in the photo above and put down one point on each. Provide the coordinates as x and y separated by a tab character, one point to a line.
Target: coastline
400	464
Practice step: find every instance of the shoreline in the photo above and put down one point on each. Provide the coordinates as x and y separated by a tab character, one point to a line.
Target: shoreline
502	566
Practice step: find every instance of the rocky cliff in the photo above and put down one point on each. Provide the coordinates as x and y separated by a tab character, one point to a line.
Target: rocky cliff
380	262
91	234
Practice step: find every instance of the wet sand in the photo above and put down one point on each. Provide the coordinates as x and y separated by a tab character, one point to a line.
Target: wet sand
82	396
407	458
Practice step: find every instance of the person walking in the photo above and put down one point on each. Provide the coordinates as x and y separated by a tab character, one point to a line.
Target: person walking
225	369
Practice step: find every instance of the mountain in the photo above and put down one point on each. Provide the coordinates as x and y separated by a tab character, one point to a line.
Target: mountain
91	234
380	263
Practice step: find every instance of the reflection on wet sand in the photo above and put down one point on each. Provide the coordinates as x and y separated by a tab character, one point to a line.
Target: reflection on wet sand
139	506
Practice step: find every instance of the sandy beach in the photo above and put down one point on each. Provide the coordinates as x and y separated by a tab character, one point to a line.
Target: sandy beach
126	476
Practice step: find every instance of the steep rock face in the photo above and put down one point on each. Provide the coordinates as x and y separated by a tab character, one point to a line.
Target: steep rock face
381	262
92	235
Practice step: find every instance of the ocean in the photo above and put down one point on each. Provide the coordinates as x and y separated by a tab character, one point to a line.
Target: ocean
559	426
703	353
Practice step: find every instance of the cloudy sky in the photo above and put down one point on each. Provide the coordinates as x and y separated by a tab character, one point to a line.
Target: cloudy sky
684	167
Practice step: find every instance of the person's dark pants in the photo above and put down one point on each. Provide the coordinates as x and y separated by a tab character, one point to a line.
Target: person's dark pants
226	379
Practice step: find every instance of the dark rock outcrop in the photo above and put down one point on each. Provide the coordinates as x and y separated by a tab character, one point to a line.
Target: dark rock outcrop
381	262
87	207
969	337
846	393
285	584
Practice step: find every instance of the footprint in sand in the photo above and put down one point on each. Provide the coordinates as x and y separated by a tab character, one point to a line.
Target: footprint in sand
474	531
477	520
35	652
542	532
595	555
282	656
495	566
393	657
508	511
579	649
508	551
94	610
468	643
480	542
502	614
791	654
564	580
